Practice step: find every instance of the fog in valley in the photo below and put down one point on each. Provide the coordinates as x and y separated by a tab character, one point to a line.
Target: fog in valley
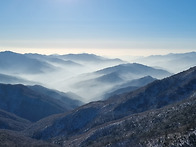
89	76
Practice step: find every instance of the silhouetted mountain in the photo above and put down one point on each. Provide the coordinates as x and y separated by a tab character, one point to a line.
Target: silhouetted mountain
129	86
89	58
86	118
30	104
53	59
171	62
12	122
18	63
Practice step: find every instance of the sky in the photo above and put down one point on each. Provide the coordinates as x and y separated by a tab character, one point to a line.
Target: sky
105	27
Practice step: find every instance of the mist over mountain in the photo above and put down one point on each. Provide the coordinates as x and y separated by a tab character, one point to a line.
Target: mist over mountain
51	59
171	62
15	63
102	81
129	86
87	118
92	58
7	79
135	70
87	75
97	73
144	105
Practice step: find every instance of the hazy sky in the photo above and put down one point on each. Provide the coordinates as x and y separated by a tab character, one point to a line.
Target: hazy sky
98	26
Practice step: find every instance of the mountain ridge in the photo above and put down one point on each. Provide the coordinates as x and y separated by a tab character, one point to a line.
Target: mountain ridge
134	102
29	104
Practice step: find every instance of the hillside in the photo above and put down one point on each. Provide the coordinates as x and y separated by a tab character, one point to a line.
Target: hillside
153	96
173	125
12	122
16	139
30	104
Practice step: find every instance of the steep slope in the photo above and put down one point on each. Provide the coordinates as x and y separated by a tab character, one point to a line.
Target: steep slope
29	104
137	82
18	63
16	139
12	122
153	96
68	99
173	125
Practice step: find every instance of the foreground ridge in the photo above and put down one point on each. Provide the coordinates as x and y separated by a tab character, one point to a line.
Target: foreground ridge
131	116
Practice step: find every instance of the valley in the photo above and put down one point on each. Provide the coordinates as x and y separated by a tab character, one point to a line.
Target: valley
116	103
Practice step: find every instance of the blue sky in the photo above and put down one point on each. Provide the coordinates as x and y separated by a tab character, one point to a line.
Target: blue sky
62	26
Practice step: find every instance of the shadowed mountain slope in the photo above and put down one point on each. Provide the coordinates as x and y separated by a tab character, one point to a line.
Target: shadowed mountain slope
173	125
153	96
29	104
16	139
12	122
68	99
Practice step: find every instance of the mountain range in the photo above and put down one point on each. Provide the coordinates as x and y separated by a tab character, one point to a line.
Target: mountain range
12	122
172	62
100	82
130	104
15	63
153	99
